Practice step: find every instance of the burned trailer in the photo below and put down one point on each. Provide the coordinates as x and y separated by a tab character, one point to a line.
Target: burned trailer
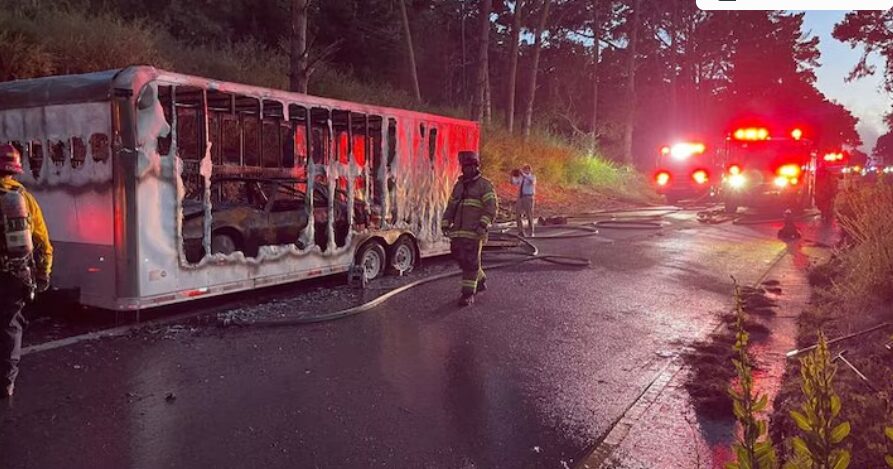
160	187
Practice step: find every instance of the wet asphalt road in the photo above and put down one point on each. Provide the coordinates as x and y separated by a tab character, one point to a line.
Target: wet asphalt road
532	375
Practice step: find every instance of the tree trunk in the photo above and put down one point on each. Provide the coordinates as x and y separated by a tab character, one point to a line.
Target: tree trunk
513	67
298	71
631	85
488	100
413	72
674	65
534	68
596	57
481	84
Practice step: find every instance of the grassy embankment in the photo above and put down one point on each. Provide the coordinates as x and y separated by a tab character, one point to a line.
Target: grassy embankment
59	41
853	292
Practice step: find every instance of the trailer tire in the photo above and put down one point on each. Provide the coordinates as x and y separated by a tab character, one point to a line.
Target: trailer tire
402	256
372	258
225	243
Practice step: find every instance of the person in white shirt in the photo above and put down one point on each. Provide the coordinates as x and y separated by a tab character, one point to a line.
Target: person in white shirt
526	182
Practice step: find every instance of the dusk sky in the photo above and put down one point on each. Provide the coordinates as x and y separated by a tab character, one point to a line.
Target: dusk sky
865	97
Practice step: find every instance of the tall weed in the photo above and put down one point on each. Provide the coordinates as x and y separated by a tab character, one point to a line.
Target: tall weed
866	218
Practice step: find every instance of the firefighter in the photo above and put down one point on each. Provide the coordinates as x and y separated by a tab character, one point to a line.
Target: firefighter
825	191
26	257
468	216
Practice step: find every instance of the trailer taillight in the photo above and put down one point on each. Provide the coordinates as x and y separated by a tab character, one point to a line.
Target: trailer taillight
662	178
796	134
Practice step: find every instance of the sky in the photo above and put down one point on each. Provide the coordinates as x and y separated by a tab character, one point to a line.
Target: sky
865	97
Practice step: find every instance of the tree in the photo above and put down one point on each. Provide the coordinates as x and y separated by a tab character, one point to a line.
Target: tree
883	149
480	96
511	84
596	57
407	34
299	72
631	83
873	30
534	67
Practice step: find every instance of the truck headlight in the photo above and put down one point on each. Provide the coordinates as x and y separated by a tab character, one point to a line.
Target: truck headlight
737	181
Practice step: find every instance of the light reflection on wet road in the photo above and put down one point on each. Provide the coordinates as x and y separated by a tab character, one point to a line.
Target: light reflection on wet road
530	376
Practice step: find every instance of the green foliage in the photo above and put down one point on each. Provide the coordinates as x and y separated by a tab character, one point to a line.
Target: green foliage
73	41
888	432
818	445
753	449
21	58
560	163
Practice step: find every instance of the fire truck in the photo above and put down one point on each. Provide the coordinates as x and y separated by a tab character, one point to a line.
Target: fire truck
686	170
768	168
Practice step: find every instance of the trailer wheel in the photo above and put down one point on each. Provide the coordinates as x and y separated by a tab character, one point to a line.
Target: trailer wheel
223	243
402	256
372	258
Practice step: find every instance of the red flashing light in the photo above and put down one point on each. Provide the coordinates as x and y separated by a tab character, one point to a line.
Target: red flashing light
832	157
734	169
751	134
796	134
662	178
665	151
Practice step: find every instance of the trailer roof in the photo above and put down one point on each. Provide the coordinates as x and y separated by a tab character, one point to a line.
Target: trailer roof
61	89
98	86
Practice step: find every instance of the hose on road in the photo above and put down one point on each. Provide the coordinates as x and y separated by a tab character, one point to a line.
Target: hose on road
530	254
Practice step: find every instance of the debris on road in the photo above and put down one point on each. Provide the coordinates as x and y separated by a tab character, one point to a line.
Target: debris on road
710	360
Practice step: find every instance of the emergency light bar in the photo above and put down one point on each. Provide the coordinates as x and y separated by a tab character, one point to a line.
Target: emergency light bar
683	150
752	134
831	157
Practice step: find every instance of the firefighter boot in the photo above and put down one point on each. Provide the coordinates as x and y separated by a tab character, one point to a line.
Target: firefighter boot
466	300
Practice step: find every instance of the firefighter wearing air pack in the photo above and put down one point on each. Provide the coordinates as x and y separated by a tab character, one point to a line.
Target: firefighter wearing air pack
26	257
469	214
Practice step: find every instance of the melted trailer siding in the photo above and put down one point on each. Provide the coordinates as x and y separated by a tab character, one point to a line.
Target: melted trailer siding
397	167
416	185
66	157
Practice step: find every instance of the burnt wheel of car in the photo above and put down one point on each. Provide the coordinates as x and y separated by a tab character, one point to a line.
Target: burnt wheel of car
223	243
402	256
371	257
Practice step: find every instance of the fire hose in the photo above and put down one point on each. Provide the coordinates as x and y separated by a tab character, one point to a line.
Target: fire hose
530	254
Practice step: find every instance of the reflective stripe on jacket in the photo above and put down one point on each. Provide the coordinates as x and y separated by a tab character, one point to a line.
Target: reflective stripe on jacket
43	250
471	209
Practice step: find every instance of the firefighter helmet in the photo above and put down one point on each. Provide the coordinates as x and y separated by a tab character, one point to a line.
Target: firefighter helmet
469	158
10	159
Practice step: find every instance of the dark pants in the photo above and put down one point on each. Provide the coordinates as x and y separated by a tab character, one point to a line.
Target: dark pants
12	322
467	253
